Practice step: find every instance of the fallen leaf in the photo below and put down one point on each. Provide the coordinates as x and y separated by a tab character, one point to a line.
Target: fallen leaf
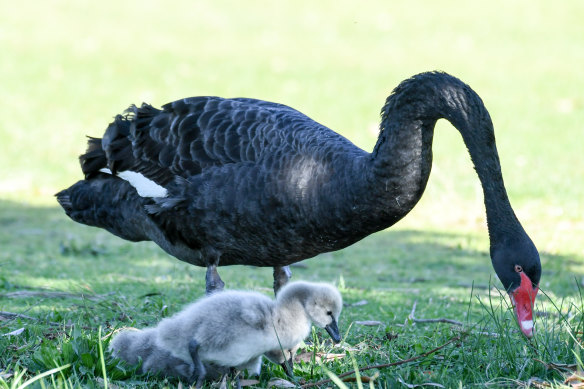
248	382
5	375
15	332
280	383
364	378
358	303
369	323
575	380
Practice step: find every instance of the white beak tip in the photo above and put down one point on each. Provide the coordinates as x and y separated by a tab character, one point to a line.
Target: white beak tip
527	327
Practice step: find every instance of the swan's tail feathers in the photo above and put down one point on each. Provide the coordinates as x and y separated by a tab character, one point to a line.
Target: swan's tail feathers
113	151
94	158
116	144
107	202
142	116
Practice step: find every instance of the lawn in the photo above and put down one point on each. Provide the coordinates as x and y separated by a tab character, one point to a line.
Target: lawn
68	68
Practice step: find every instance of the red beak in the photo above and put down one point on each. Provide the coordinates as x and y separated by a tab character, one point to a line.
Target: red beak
523	299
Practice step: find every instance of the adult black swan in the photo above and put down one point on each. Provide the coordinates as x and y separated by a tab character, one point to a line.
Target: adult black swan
218	182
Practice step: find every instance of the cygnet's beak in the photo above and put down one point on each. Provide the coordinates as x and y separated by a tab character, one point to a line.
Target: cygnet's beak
333	331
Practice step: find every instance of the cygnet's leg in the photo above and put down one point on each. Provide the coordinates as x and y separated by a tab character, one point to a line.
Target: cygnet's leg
223	382
288	366
199	372
212	280
281	276
284	358
235	374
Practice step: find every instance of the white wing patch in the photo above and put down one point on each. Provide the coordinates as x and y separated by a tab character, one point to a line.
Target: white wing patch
144	186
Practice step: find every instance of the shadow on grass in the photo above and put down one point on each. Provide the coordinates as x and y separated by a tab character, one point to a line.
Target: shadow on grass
111	283
41	243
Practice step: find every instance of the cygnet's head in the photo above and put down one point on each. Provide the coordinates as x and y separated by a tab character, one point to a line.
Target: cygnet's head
323	304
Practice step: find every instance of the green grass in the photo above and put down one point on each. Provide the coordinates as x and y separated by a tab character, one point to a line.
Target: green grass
67	69
112	283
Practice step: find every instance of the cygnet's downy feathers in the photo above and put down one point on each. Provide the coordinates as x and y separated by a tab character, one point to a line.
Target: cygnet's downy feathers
134	346
233	329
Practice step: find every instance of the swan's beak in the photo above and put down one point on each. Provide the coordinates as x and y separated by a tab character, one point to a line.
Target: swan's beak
523	299
333	331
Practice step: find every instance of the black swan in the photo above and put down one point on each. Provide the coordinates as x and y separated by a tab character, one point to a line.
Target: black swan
232	329
218	182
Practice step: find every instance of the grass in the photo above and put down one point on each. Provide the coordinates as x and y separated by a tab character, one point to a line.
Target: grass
67	69
112	283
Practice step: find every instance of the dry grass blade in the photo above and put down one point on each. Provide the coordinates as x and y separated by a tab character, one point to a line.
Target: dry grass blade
439	320
363	378
43	294
537	383
12	315
420	385
562	367
320	357
385	365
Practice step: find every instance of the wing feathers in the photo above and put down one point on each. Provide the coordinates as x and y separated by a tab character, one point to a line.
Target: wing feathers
190	136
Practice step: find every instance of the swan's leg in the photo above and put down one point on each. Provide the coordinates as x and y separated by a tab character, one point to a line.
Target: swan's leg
199	372
281	276
212	280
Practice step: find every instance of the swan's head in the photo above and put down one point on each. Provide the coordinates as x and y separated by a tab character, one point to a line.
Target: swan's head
516	262
322	303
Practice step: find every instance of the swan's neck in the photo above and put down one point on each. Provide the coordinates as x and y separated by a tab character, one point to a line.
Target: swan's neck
402	157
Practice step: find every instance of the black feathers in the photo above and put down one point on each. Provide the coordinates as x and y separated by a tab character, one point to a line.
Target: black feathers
247	181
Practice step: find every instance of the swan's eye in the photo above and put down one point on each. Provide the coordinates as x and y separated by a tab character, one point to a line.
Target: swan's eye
518	268
330	313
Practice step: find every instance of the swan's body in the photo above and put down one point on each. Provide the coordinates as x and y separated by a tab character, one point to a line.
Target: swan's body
233	329
243	181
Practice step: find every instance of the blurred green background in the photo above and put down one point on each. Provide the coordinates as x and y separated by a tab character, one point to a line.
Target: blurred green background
68	67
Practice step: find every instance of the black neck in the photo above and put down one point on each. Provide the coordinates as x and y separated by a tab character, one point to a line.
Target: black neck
402	157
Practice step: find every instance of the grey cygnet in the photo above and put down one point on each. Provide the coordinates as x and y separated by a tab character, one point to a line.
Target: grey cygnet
231	329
